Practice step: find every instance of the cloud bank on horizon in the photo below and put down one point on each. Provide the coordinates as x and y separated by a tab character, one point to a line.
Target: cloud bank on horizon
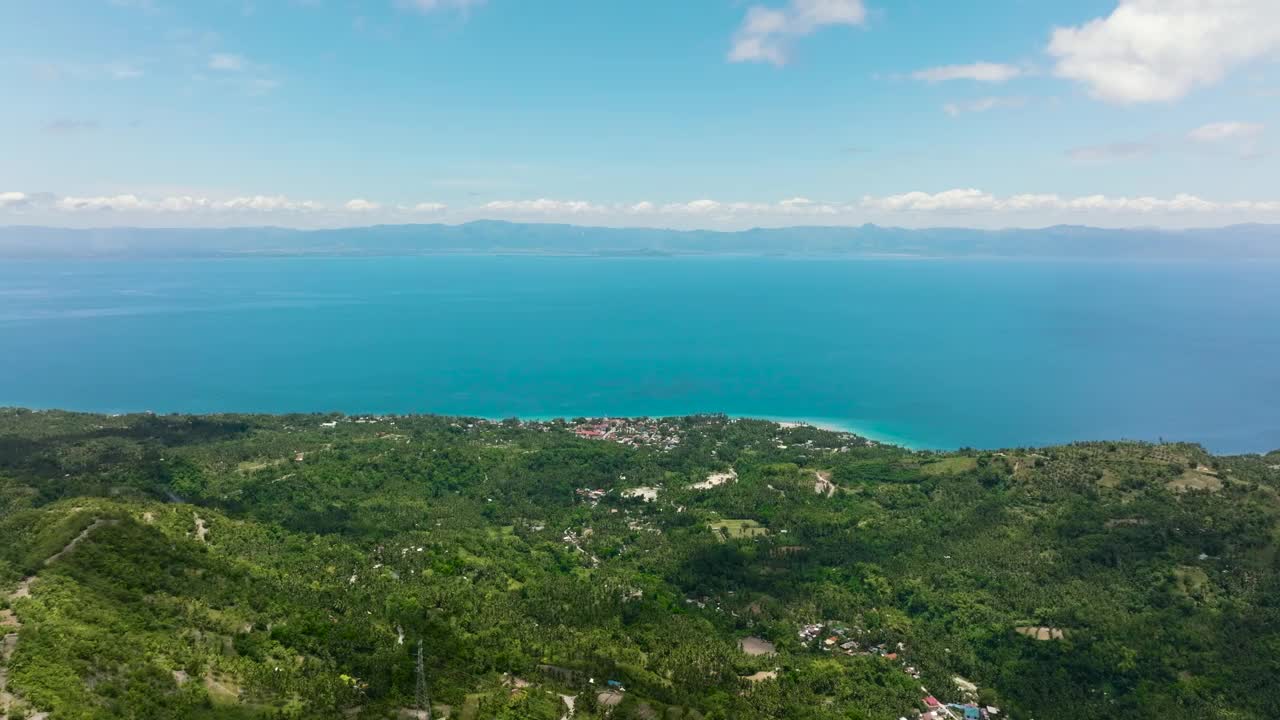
1105	112
970	207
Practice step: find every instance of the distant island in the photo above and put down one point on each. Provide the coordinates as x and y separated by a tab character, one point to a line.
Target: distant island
1243	242
690	568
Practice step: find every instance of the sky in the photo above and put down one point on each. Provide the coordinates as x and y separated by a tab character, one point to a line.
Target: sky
664	113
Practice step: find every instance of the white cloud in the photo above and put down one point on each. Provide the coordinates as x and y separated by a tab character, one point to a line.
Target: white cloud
544	206
766	33
964	206
237	71
966	199
707	207
113	202
427	208
1160	50
270	203
1235	138
362	205
704	207
1224	131
13	199
130	202
971	200
1232	138
695	207
797	203
979	72
955	109
431	5
227	62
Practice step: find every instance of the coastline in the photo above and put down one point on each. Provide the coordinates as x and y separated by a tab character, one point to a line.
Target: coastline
828	424
840	426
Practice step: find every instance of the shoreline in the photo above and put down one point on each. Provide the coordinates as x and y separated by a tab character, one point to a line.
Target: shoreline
833	425
828	424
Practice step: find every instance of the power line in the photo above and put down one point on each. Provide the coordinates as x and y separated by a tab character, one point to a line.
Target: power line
420	692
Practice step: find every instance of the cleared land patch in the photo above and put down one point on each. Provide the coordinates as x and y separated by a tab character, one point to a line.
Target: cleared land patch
249	466
648	494
822	484
222	688
609	698
716	480
756	647
737	529
1040	632
1195	480
949	466
1193	583
471	706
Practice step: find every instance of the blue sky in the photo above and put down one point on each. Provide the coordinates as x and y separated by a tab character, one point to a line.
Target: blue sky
715	113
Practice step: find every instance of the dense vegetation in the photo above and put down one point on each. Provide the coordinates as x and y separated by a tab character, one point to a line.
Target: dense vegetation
292	566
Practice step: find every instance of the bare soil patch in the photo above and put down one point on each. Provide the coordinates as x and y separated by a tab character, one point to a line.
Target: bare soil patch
1039	632
1195	480
756	647
822	484
716	480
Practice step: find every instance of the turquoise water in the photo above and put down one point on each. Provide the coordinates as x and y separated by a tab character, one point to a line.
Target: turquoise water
929	353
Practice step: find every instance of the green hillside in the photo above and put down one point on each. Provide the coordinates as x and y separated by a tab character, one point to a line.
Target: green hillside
240	566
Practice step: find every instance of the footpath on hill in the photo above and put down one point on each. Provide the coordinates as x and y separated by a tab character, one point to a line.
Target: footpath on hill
12	625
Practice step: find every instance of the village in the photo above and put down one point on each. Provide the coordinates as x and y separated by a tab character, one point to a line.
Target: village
633	432
838	640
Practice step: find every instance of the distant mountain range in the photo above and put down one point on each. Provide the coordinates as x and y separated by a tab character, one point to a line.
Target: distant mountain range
1062	241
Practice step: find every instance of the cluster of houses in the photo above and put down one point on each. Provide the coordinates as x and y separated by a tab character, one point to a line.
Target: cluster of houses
809	633
835	637
573	540
934	709
633	432
970	709
838	640
364	420
591	495
704	602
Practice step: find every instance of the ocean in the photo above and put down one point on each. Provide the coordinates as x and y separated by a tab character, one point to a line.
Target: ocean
927	353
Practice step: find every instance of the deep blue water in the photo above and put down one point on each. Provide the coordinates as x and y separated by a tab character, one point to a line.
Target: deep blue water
933	353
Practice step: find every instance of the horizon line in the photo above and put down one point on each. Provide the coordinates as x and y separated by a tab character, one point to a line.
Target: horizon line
652	228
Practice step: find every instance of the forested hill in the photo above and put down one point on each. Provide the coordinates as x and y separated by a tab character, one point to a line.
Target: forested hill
310	566
1235	242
